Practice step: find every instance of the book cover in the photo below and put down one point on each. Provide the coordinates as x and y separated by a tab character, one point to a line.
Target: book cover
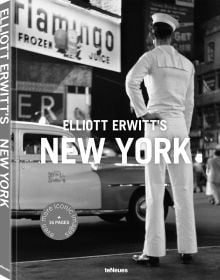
82	137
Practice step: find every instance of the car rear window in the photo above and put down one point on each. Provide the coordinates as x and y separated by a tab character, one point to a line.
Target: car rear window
32	142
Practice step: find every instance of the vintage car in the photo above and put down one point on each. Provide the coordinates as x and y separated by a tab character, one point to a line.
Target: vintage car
110	189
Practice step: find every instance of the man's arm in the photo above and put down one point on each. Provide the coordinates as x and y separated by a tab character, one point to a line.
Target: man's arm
133	82
189	101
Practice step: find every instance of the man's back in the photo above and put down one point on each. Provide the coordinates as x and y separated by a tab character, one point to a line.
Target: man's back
168	80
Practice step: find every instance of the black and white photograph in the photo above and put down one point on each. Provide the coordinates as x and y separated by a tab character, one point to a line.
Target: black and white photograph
110	139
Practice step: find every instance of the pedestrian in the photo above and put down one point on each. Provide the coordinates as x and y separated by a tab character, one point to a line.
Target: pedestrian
213	178
169	80
199	176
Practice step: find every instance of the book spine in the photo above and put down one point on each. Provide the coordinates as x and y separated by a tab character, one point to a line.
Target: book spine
5	188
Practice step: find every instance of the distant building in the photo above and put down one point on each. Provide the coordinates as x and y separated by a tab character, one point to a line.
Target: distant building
206	122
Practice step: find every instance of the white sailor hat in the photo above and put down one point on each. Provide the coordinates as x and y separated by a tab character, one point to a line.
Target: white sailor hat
161	17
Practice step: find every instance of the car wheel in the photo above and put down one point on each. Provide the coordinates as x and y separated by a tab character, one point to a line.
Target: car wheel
114	218
137	210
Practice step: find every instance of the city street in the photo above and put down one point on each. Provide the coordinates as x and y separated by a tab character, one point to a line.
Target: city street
96	237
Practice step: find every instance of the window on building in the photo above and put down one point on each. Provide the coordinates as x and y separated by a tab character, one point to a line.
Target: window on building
200	85
209	116
198	118
211	52
218	114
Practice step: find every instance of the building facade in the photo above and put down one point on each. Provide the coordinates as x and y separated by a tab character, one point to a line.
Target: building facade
206	121
56	45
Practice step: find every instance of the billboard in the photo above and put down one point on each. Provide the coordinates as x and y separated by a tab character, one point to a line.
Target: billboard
68	32
184	13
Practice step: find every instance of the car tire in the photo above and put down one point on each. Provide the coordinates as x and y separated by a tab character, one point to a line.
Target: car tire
114	218
137	207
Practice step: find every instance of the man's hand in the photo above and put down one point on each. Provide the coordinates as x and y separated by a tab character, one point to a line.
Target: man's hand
151	116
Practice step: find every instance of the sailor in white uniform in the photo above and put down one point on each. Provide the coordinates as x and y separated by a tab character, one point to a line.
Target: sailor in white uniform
169	80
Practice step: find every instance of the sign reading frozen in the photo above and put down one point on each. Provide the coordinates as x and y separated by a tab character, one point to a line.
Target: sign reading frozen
69	32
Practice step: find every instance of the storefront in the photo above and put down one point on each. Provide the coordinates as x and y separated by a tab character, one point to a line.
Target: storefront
55	47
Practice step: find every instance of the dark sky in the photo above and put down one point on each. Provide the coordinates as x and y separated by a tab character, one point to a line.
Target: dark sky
206	9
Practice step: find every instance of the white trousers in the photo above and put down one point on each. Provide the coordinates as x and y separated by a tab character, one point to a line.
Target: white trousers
181	177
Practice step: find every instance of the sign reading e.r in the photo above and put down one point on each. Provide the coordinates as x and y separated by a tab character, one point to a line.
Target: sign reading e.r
31	105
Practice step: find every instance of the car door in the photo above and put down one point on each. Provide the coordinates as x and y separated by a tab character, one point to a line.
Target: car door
42	184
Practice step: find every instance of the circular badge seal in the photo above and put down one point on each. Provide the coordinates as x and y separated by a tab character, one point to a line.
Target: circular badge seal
59	220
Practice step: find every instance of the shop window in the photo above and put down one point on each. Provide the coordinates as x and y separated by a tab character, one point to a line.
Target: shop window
76	89
211	52
71	89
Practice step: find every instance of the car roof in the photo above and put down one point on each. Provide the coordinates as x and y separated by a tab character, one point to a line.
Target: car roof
38	126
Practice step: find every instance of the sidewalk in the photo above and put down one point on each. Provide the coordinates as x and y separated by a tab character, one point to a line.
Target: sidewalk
206	266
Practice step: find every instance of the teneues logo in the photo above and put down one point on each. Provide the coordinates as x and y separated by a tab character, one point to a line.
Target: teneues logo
37	25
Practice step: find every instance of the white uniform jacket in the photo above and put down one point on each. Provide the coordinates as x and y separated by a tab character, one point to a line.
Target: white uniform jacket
169	79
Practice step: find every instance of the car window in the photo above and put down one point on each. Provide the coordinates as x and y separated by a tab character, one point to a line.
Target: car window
32	143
